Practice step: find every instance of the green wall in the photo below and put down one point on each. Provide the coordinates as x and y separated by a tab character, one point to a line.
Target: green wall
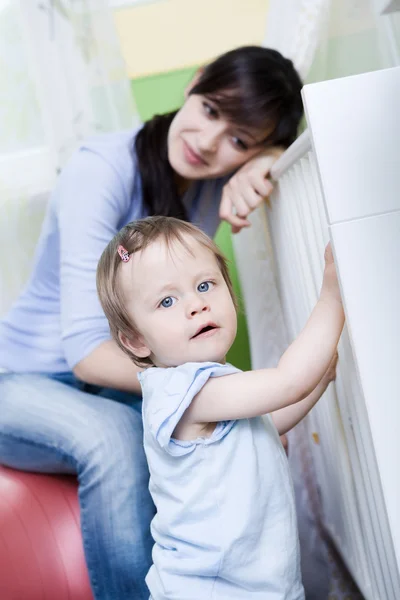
239	354
163	93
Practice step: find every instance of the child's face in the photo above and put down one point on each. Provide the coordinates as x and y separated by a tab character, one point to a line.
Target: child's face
180	303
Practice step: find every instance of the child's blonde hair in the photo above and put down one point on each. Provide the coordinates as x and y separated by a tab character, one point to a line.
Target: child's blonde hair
134	237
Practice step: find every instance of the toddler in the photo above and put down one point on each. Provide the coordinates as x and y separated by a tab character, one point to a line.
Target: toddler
225	526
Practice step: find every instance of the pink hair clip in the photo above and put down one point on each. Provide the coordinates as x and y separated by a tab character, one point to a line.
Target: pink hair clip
124	254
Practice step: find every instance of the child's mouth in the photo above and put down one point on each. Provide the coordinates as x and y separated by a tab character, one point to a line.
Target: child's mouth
205	331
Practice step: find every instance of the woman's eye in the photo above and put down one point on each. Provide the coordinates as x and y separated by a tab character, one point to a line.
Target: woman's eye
239	144
167	302
209	110
205	286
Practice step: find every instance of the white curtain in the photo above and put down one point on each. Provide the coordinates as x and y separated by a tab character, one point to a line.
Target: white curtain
62	79
64	75
295	28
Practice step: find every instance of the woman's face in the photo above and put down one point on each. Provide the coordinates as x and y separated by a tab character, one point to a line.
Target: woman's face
202	144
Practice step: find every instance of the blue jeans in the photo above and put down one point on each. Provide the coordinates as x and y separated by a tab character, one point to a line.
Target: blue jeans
60	425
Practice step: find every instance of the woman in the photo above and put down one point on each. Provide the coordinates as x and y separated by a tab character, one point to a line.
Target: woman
67	398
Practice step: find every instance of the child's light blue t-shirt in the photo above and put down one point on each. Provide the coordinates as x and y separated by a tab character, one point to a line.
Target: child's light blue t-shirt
225	526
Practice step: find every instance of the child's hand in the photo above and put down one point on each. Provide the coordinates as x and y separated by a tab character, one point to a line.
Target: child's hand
330	285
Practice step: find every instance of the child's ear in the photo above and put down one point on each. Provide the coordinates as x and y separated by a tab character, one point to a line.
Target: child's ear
135	344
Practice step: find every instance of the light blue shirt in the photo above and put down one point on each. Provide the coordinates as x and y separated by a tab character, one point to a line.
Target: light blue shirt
225	526
58	320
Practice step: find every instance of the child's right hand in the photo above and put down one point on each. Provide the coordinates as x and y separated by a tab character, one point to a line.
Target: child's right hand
330	285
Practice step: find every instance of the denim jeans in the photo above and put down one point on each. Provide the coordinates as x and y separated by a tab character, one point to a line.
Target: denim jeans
60	425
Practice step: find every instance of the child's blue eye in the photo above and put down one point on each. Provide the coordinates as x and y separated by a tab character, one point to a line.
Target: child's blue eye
204	286
167	302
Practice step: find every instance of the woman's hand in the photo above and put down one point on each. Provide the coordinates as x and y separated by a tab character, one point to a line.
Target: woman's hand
247	189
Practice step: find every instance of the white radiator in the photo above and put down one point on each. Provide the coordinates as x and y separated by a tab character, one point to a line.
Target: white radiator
341	181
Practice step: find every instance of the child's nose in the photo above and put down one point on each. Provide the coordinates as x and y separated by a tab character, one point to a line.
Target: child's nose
198	305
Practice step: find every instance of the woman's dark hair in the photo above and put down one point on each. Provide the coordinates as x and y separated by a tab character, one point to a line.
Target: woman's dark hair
253	87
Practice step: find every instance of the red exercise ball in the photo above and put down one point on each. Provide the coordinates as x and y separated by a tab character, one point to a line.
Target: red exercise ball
41	552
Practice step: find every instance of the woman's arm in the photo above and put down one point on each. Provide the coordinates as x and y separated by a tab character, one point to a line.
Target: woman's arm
93	196
108	366
301	368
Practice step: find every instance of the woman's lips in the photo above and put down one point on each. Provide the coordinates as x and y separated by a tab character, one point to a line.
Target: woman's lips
191	156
